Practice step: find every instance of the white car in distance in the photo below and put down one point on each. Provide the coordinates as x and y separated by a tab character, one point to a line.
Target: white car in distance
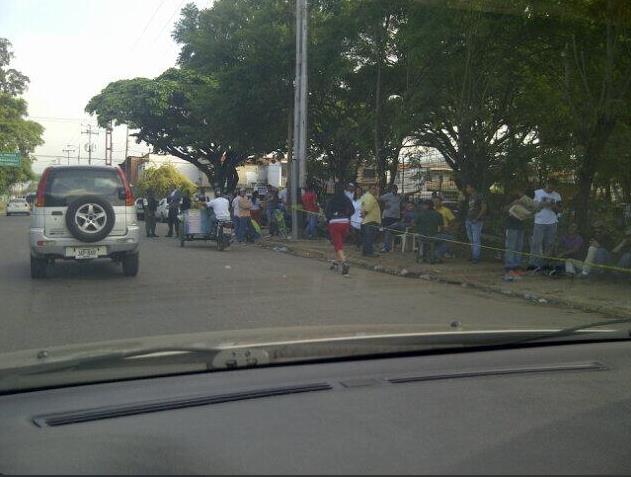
18	207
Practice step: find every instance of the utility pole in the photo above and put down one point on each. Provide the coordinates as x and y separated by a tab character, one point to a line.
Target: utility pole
108	144
298	170
68	150
90	146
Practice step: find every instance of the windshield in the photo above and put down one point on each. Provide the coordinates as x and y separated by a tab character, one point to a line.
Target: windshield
220	171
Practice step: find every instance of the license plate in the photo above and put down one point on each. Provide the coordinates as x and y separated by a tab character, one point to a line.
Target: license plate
82	253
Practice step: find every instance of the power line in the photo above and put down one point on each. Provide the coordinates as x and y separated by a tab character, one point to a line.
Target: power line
56	118
146	26
177	9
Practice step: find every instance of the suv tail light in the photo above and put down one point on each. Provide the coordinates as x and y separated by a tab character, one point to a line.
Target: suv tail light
41	188
129	196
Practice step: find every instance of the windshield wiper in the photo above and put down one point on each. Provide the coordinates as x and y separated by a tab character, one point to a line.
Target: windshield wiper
575	331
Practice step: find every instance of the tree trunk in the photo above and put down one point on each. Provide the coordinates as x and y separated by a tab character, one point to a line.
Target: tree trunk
381	170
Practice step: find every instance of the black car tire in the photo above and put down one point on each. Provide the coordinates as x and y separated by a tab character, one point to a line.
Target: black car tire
38	268
73	227
131	264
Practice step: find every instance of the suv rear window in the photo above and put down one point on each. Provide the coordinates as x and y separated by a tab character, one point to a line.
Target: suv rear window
66	185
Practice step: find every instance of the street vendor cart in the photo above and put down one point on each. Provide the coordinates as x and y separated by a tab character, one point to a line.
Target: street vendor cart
195	224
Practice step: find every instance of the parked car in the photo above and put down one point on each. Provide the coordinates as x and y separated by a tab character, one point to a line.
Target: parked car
18	207
162	212
140	208
83	213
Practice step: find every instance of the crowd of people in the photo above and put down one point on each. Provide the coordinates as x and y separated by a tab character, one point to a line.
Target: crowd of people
538	215
360	217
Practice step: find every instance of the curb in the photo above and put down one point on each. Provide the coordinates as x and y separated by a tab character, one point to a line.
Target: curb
289	248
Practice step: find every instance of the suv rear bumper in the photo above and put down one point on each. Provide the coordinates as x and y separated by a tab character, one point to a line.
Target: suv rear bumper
43	246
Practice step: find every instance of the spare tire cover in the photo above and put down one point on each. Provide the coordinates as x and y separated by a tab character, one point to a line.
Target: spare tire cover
90	218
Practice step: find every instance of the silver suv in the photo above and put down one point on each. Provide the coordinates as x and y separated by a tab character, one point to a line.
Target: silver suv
83	213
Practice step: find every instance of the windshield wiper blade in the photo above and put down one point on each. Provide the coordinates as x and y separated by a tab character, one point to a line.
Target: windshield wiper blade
575	330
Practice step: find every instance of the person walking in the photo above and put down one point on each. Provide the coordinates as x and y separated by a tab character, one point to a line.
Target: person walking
174	206
371	221
150	214
338	212
474	222
245	206
548	206
310	206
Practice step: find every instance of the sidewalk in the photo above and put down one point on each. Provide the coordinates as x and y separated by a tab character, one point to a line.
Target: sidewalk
608	297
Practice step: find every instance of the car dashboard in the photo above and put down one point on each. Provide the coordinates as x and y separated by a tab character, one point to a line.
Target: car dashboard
546	409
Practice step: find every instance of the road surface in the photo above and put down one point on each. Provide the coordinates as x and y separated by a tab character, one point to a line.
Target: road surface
197	288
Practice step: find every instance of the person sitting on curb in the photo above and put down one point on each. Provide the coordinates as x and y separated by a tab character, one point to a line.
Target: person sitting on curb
597	254
569	248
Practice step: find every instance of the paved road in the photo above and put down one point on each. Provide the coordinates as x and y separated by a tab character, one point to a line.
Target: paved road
197	288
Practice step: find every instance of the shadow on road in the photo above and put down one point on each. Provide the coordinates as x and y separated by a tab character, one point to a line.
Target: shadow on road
93	270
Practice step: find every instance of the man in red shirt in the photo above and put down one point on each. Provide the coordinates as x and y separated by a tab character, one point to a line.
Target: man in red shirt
310	205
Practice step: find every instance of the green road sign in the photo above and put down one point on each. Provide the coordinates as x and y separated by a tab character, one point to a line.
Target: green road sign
10	159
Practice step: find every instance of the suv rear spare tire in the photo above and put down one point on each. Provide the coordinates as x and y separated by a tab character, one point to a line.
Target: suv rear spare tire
131	264
90	218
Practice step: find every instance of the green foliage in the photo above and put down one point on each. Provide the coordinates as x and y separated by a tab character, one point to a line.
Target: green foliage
162	180
509	93
17	134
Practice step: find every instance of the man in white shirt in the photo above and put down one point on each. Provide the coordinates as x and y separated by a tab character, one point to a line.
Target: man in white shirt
221	210
221	207
548	206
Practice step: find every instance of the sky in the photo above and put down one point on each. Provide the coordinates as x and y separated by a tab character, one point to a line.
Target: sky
71	50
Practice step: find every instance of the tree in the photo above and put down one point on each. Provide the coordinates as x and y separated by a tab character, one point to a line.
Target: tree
338	112
470	64
247	47
162	180
381	73
173	113
588	77
17	134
